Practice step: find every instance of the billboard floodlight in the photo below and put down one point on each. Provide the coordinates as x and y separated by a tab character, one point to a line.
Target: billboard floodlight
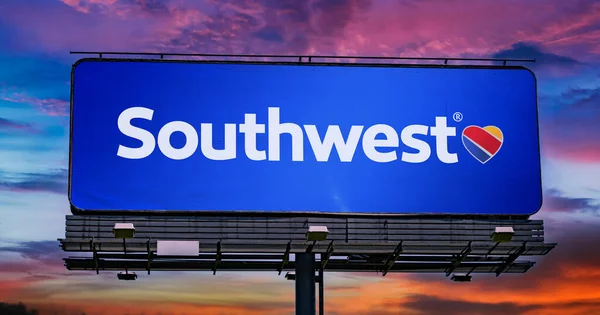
461	277
290	276
124	230
126	276
317	233
503	234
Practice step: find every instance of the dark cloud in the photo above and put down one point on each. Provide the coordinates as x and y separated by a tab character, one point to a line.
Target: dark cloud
575	94
36	250
273	34
577	247
289	10
9	124
569	125
272	26
54	182
425	305
332	16
157	7
431	305
523	50
41	260
16	309
555	201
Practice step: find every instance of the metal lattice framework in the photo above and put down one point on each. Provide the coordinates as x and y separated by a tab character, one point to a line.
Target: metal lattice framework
265	244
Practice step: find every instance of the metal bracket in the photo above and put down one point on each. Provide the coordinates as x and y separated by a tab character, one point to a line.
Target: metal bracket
459	259
286	257
218	258
95	253
328	254
511	259
149	255
389	263
310	247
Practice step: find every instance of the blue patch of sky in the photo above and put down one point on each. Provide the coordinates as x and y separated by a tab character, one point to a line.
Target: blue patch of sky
37	76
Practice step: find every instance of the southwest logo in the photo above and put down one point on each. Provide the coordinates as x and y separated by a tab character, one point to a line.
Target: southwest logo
482	143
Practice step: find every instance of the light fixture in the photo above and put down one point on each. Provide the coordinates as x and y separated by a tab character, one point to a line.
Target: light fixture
503	234
461	277
290	276
124	230
126	276
317	233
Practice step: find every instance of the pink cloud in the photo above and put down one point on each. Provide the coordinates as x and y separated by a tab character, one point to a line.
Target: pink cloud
49	106
364	27
16	125
84	6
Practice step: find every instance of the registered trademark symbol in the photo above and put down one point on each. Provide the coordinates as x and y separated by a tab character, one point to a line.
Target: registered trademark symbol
457	116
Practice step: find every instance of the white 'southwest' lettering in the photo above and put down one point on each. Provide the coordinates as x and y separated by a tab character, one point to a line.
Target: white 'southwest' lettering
376	149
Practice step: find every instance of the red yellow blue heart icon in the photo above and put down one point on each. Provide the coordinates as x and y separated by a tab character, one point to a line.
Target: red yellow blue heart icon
482	143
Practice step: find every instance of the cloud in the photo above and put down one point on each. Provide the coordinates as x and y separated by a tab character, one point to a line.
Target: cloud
546	63
53	182
43	251
49	106
431	305
432	28
533	51
571	129
555	201
10	125
424	304
16	309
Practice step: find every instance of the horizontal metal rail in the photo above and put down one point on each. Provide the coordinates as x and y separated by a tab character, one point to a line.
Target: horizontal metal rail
333	265
341	248
299	57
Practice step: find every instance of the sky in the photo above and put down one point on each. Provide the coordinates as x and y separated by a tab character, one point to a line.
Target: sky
37	35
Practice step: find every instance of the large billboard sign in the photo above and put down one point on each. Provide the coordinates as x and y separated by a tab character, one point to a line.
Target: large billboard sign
222	137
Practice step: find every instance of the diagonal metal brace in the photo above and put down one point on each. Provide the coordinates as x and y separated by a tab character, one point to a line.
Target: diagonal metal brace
286	257
328	254
511	259
389	263
218	258
459	259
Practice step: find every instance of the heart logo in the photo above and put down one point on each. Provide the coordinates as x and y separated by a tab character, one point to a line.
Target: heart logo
482	143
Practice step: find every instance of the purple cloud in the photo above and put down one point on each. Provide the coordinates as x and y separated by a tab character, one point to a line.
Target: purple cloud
555	201
546	62
53	182
49	106
9	124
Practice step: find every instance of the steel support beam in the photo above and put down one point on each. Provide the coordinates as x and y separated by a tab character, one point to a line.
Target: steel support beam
321	290
305	284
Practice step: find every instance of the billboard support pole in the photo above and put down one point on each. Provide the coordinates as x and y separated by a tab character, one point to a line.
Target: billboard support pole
305	284
321	298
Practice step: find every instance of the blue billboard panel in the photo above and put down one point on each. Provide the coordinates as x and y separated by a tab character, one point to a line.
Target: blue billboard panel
275	137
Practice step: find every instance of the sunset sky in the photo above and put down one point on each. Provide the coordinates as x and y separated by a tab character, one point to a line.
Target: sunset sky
37	35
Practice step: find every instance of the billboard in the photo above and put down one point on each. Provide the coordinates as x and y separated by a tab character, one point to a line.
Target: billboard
263	137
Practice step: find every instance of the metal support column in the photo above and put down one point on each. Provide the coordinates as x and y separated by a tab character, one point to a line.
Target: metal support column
305	284
321	298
